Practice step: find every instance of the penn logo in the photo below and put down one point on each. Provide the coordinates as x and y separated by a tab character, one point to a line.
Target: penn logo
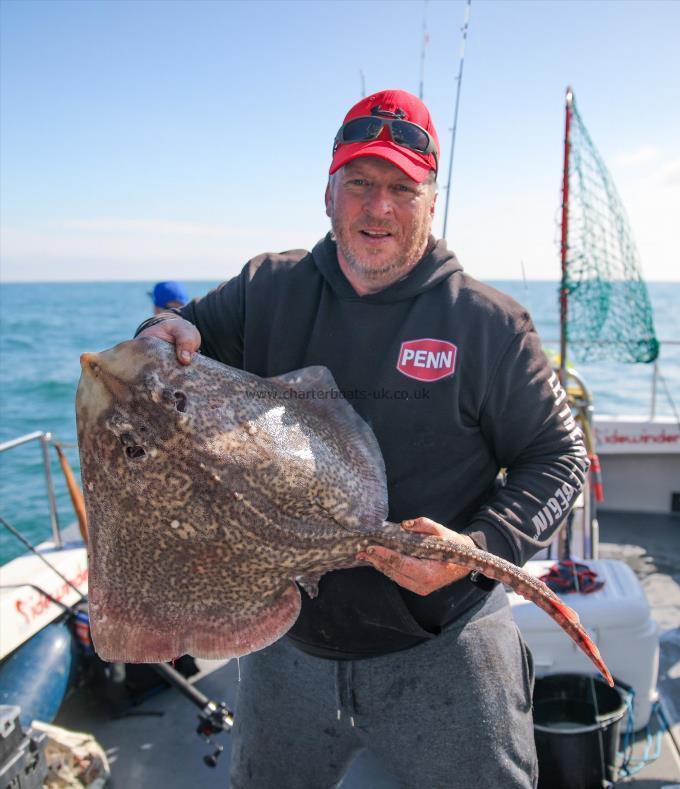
427	359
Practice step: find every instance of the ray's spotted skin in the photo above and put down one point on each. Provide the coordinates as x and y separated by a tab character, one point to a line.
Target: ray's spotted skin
211	491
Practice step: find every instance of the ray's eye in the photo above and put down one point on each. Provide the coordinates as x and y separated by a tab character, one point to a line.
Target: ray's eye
127	439
180	401
135	452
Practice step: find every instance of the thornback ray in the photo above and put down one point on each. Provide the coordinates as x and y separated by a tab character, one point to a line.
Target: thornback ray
211	491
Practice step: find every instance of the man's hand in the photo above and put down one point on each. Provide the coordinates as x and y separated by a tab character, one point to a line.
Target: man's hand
178	332
422	576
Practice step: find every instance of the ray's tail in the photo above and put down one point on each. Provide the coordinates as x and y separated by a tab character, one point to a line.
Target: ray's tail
429	547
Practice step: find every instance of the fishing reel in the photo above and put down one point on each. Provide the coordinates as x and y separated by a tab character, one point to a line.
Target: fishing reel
215	717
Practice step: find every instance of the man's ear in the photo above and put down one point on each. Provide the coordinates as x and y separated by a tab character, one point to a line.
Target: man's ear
328	197
433	204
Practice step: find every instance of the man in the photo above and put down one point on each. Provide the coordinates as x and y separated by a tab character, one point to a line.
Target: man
167	296
416	660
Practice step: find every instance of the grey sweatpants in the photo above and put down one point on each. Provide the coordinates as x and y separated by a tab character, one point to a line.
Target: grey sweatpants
452	712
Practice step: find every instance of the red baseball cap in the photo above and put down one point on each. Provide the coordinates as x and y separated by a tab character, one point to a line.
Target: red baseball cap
416	165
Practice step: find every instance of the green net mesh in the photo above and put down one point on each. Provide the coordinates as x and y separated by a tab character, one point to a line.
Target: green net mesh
609	311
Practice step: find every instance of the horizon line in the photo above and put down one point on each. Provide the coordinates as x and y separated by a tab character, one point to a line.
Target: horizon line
218	279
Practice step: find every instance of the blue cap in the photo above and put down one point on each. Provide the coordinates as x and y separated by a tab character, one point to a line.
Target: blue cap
165	292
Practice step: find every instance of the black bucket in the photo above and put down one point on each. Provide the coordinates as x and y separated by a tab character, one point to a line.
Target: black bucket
576	726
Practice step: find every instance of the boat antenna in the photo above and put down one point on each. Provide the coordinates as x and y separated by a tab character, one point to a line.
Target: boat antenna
363	83
424	43
459	80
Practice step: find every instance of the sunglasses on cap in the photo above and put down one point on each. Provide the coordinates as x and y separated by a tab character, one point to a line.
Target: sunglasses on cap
366	128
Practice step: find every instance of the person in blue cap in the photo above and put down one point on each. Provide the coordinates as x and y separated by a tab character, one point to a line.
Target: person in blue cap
166	295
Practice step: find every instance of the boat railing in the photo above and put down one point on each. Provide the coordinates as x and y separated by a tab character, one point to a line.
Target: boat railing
656	379
44	439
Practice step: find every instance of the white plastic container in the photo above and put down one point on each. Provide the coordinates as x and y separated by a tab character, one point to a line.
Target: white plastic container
617	618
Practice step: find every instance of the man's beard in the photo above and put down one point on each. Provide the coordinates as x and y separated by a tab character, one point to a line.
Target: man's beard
403	260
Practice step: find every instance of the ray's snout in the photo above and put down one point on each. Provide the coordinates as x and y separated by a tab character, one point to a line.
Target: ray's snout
102	370
88	361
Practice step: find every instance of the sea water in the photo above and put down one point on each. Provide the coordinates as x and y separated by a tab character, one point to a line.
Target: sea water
45	327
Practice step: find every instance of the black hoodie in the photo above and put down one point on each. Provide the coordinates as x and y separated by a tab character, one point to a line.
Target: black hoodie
450	375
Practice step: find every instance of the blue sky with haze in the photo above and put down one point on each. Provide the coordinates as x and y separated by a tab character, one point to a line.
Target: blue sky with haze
156	139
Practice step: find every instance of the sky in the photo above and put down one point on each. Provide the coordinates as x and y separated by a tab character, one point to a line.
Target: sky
153	139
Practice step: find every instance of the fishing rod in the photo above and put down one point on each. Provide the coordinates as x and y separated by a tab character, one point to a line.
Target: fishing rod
74	490
425	42
66	608
33	550
459	80
215	716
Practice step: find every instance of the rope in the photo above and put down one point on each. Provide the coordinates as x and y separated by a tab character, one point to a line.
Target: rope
568	576
653	741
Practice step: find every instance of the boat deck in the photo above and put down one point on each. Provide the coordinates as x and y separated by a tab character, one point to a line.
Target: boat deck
650	545
157	745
